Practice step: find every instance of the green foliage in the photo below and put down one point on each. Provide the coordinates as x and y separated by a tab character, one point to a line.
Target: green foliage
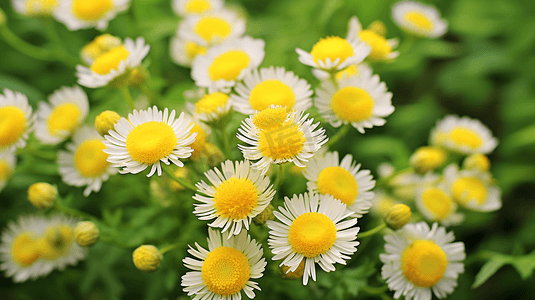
524	264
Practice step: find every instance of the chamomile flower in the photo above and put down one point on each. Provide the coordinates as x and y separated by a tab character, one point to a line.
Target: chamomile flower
342	180
183	51
277	136
334	53
85	164
381	47
147	138
473	189
211	107
419	19
420	261
312	228
58	120
271	86
224	270
463	135
195	7
362	101
80	14
7	166
211	28
435	203
16	120
35	7
227	63
236	194
113	63
362	69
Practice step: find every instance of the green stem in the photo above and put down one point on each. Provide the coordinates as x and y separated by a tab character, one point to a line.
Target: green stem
374	290
127	97
181	181
280	178
225	140
372	231
169	248
74	212
340	134
332	77
25	47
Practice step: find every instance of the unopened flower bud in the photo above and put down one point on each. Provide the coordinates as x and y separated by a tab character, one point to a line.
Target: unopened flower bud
398	216
147	258
298	273
86	233
264	216
477	162
106	121
426	159
42	195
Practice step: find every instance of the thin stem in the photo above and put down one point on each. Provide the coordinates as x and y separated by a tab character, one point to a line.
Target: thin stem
340	134
280	178
372	231
332	77
74	212
225	140
181	181
127	97
169	248
25	47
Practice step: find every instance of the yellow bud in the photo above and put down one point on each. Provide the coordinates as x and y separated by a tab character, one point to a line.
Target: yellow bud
378	27
477	162
426	159
180	173
147	258
42	195
106	121
264	216
86	233
137	77
398	216
298	273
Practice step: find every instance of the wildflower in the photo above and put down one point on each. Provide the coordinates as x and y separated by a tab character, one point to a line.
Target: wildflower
427	159
147	258
195	7
35	8
100	45
398	216
80	14
86	233
435	203
419	19
211	28
42	194
106	121
381	48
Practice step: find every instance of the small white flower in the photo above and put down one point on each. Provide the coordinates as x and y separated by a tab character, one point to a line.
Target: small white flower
195	7
435	203
419	19
211	28
17	120
80	14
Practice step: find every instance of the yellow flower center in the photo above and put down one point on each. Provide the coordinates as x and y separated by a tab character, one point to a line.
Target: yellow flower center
56	242
109	60
200	139
378	43
332	47
352	104
466	189
91	10
5	171
12	125
151	141
210	28
339	183
348	72
419	20
192	50
283	142
64	119
423	263
23	250
272	92
225	271
437	202
198	6
478	162
229	65
465	137
312	234
40	7
90	159
211	102
235	198
269	118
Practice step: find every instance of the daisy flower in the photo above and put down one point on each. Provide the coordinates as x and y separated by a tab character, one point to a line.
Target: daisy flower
277	136
7	166
435	203
148	137
80	14
195	7
211	107
224	270
228	62
473	189
271	86
362	101
183	51
311	228
58	120
100	45
85	164
112	64
35	7
353	70
342	180
381	48
236	194
211	28
16	120
463	135
420	259
419	19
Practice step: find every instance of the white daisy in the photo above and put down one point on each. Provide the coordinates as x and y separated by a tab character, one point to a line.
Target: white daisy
419	19
228	62
463	135
80	14
211	28
113	64
8	161
35	7
148	137
210	107
58	120
420	259
362	69
224	270
473	189
312	228
195	7
183	51
235	196
343	181
16	120
381	47
277	136
362	101
271	86
85	164
435	203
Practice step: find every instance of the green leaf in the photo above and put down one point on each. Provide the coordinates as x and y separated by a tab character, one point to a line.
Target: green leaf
525	265
489	268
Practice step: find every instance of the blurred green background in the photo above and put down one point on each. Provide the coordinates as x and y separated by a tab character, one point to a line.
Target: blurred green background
484	67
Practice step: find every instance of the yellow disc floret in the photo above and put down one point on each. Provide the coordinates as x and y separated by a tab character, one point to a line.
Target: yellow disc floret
235	198
210	28
109	60
465	137
466	189
312	234
269	118
352	104
347	72
106	121
437	202
90	159
198	6
229	65
42	194
271	92
91	10
65	118
211	102
192	49
225	271
23	250
147	258
151	141
339	183
419	20
12	125
378	43
332	47
40	7
56	242
283	142
423	263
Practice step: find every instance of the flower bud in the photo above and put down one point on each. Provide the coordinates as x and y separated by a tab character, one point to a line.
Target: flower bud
426	159
298	273
42	195
106	121
86	233
398	216
477	162
264	216
147	258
